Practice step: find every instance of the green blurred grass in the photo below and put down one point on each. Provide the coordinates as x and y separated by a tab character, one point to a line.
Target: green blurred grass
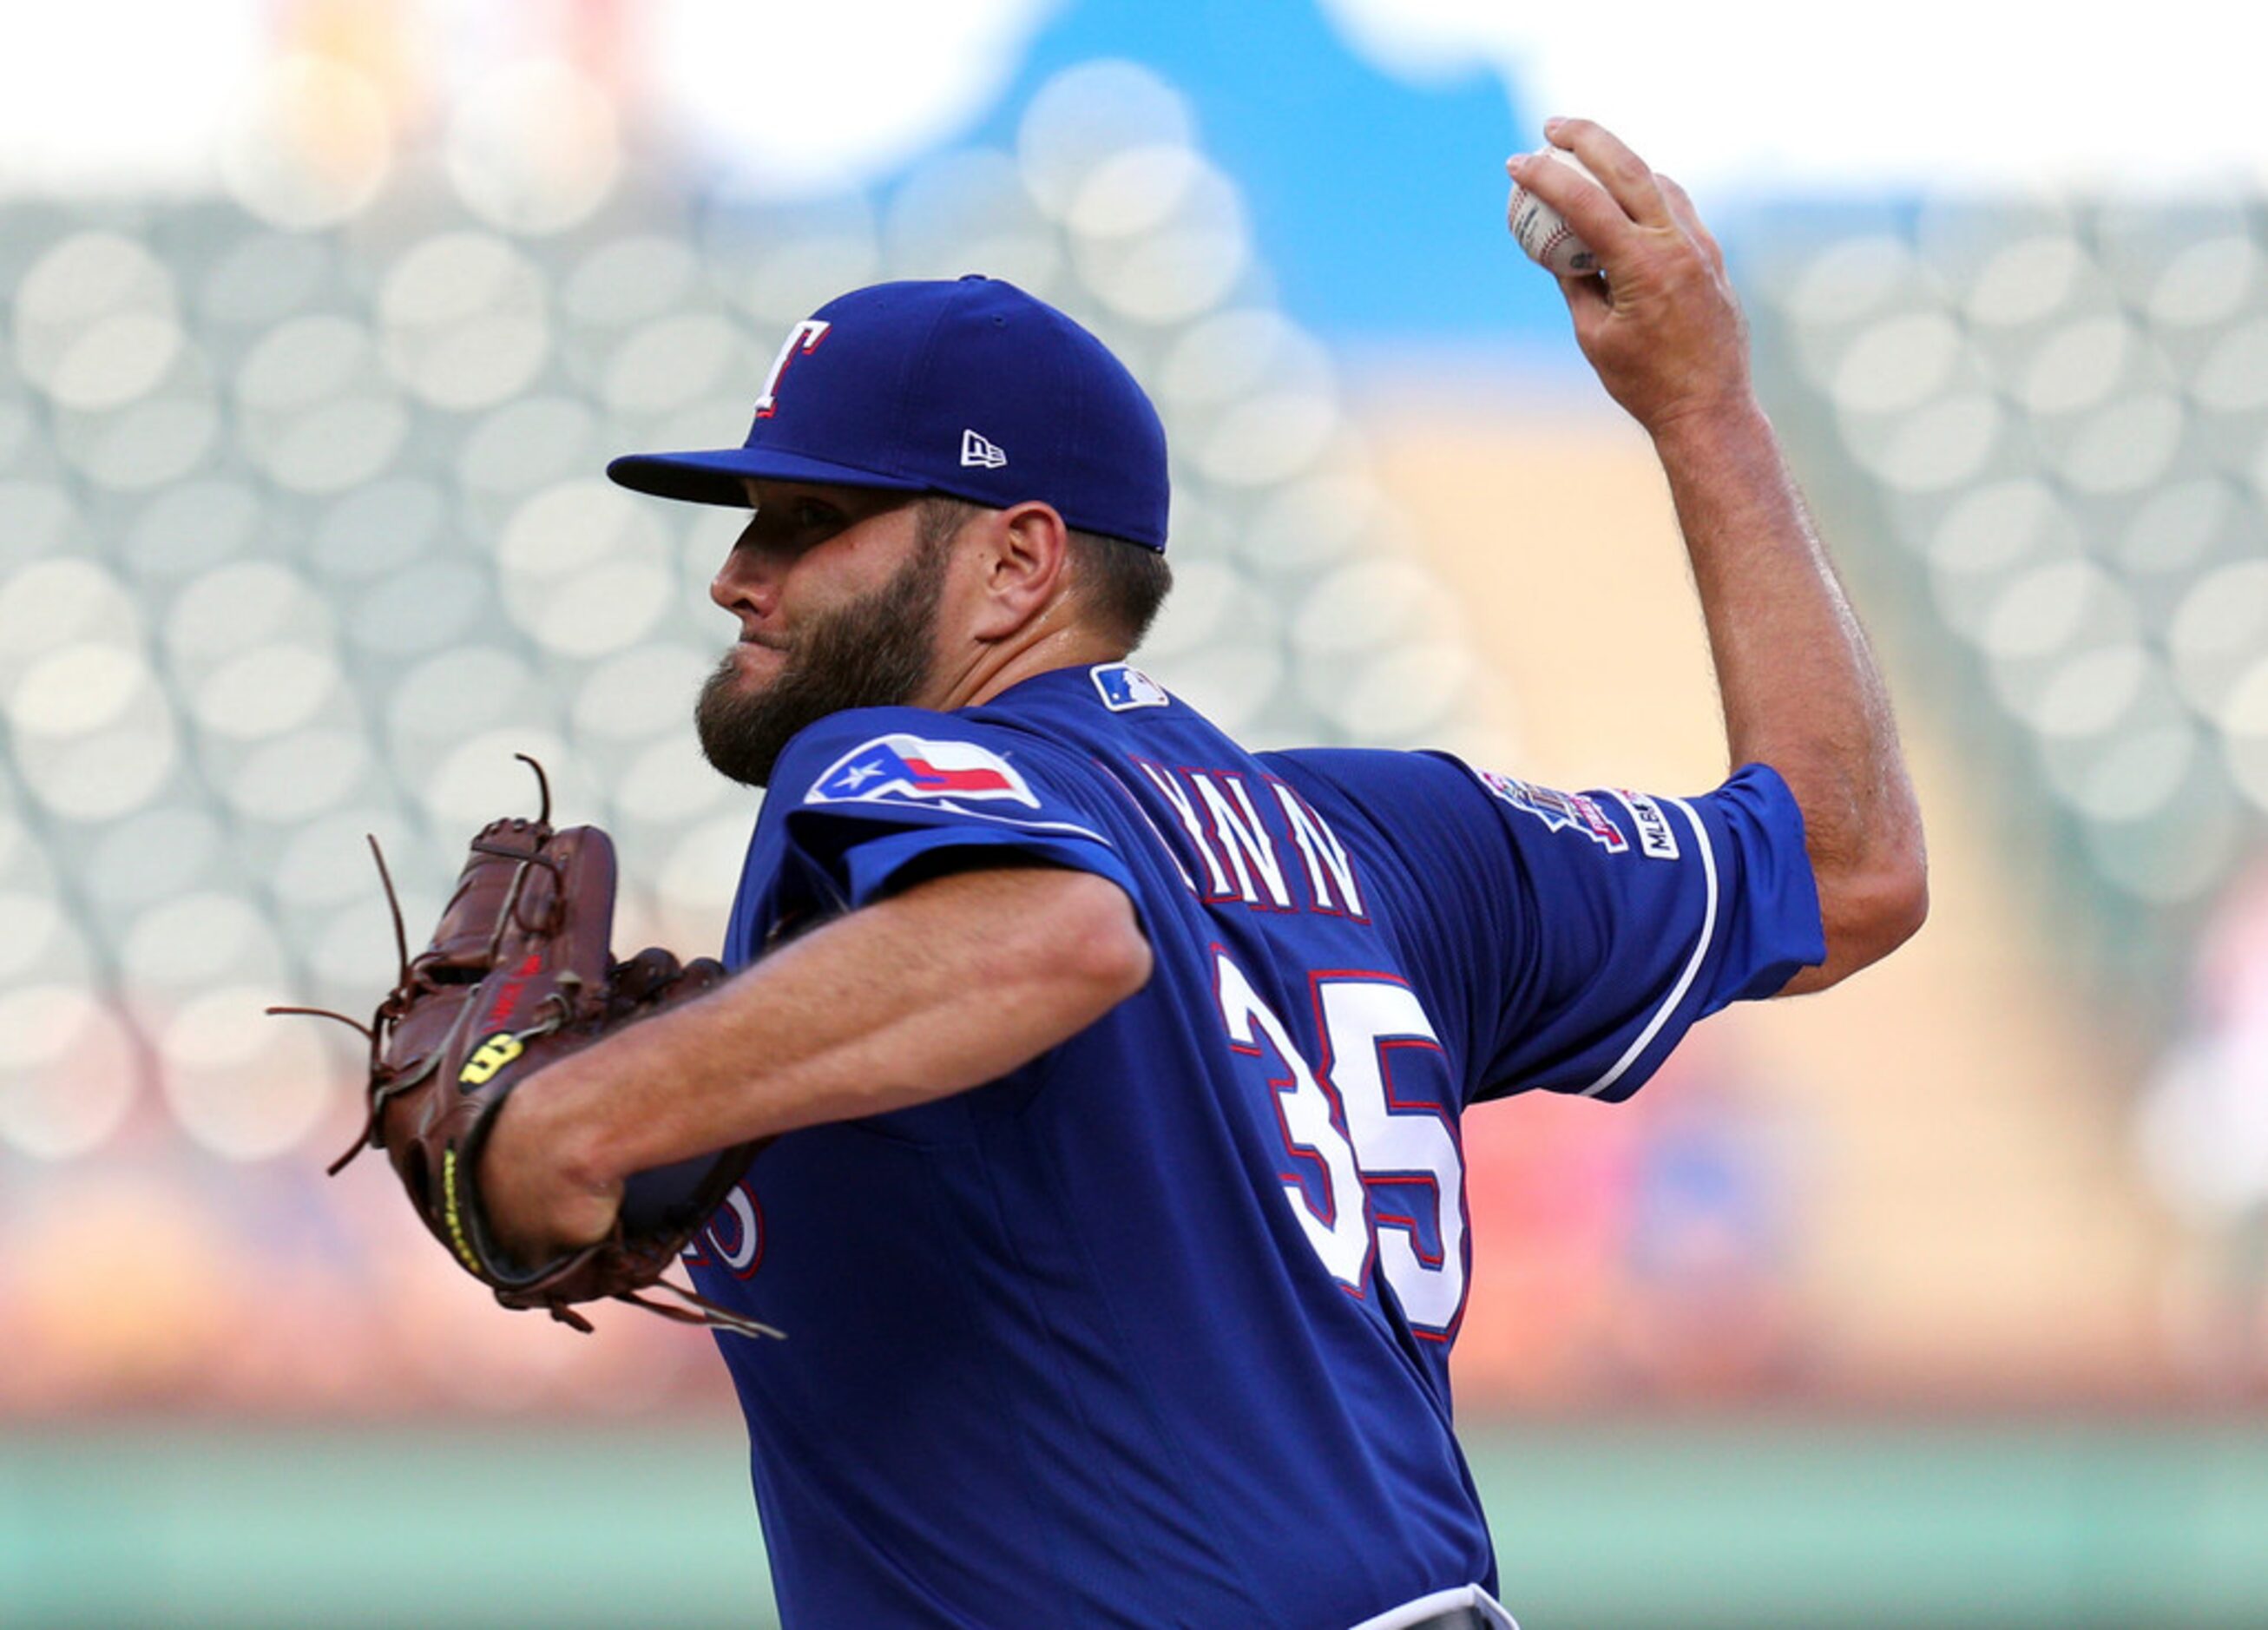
1633	1526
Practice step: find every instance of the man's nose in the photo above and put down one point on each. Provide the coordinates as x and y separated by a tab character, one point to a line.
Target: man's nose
748	579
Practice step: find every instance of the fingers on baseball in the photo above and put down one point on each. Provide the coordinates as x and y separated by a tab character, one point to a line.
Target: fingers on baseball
1621	172
1588	302
1597	219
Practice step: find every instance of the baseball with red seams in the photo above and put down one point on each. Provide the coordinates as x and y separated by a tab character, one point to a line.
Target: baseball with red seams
1544	233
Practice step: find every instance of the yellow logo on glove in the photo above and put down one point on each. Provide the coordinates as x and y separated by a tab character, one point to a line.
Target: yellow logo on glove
489	1056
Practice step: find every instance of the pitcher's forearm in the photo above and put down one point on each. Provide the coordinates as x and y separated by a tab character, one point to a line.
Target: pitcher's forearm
1797	677
1798	680
873	1013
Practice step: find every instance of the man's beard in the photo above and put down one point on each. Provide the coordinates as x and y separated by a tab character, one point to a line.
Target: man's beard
876	652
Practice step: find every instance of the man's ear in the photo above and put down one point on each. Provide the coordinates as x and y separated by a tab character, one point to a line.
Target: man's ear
1024	558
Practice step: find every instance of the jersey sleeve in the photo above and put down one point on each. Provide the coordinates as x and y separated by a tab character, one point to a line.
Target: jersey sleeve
1612	921
873	795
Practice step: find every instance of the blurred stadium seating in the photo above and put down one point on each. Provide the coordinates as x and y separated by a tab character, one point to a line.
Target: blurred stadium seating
2054	409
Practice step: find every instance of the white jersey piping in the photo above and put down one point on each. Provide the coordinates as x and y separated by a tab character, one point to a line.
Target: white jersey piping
1692	966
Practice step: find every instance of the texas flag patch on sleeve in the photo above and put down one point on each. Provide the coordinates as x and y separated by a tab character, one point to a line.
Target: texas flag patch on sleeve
900	768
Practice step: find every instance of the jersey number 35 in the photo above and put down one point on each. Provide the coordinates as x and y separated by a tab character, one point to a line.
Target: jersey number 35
1392	1175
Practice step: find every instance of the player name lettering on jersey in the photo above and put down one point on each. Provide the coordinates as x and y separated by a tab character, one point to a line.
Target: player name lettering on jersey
1655	839
1558	810
1240	841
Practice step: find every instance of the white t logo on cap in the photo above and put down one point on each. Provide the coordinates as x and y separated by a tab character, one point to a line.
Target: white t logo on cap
979	454
805	337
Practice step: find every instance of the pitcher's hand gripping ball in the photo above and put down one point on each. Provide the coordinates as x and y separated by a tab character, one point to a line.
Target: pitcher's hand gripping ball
1543	232
517	976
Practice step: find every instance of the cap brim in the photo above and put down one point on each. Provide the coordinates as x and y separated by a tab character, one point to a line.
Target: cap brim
715	477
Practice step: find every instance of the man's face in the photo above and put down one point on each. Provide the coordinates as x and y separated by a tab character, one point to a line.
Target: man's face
836	592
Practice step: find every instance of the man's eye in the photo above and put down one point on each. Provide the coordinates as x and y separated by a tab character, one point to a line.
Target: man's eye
808	513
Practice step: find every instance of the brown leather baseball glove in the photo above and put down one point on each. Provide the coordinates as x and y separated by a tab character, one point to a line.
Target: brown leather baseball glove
520	974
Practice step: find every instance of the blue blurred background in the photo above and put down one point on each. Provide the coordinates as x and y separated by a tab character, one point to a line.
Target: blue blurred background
1941	1298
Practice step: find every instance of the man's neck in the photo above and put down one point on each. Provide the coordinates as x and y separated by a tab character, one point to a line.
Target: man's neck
994	669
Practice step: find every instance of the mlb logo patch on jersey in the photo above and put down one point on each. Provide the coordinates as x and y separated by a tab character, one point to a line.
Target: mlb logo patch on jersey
1655	839
1557	809
1125	689
909	769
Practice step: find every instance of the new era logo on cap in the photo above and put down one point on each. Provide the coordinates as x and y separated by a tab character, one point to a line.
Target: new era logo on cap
979	453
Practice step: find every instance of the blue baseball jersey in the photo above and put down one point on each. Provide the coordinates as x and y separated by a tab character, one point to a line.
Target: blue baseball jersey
1155	1331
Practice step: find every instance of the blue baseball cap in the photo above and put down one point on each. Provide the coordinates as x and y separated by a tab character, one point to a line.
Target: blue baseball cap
972	388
